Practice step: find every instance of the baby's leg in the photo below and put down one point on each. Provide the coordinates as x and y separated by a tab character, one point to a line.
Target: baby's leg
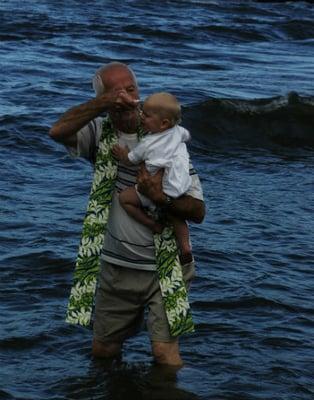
130	201
181	231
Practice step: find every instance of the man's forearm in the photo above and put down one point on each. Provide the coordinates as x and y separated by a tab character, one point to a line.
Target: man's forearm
185	207
76	118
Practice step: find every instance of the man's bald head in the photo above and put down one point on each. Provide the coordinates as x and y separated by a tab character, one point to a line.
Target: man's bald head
102	80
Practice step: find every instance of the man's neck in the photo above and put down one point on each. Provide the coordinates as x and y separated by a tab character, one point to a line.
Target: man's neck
126	125
127	129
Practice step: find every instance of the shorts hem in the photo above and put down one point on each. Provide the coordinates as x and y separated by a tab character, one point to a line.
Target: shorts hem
163	339
112	338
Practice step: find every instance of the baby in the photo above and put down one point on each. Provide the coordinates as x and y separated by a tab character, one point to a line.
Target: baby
162	147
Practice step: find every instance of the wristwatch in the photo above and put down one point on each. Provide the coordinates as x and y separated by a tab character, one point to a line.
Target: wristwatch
169	201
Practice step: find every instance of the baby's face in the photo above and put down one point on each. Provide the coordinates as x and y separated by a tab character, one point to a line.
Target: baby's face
151	121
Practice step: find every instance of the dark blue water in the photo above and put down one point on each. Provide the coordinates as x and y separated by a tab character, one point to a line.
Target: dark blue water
244	72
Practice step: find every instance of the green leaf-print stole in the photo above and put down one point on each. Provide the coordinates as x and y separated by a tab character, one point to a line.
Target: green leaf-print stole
169	270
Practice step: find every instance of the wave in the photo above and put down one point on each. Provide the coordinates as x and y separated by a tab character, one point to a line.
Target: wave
285	120
5	395
246	302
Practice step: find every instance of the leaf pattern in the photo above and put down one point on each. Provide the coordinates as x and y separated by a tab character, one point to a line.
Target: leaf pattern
173	290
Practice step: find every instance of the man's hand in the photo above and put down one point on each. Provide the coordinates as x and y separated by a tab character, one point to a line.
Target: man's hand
151	185
121	100
123	111
121	153
185	207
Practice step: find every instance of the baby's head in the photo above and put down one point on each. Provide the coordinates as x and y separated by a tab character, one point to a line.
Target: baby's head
160	112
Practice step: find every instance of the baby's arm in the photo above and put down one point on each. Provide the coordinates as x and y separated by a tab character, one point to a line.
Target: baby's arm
134	157
121	154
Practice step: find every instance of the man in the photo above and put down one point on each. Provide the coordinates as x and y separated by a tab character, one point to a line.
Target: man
128	279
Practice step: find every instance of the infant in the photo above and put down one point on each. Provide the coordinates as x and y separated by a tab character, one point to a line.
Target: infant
162	147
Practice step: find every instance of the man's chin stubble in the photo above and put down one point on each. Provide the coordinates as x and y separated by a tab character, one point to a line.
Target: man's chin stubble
127	121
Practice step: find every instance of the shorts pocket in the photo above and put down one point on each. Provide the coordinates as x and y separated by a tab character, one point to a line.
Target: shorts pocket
109	274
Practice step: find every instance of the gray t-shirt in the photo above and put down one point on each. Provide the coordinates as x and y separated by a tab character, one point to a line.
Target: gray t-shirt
127	242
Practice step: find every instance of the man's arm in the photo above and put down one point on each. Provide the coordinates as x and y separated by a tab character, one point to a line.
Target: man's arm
185	207
65	129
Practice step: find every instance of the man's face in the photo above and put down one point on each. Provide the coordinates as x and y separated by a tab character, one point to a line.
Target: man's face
121	80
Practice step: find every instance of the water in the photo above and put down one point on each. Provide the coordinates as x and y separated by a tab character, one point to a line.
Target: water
253	297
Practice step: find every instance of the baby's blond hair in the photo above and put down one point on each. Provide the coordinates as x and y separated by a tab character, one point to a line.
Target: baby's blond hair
166	106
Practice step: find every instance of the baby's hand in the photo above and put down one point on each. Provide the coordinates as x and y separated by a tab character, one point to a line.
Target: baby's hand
120	153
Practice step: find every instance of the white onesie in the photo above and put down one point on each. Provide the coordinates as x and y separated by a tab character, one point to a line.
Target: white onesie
166	150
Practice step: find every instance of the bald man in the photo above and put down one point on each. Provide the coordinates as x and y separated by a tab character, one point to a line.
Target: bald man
128	281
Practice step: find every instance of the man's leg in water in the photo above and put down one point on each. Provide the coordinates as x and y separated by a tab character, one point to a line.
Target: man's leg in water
167	353
106	350
165	348
118	310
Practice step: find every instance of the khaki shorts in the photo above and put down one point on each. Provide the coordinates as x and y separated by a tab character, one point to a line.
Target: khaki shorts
123	295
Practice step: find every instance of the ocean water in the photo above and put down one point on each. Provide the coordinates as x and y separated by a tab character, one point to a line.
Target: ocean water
243	71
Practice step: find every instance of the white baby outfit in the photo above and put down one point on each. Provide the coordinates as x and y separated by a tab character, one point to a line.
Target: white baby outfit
165	150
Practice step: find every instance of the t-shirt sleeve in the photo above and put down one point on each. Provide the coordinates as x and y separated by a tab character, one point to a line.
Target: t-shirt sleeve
87	141
195	190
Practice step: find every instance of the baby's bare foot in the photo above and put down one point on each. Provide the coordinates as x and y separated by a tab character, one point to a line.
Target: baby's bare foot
186	258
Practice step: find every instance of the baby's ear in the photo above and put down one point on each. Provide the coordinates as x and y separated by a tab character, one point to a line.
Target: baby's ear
165	124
